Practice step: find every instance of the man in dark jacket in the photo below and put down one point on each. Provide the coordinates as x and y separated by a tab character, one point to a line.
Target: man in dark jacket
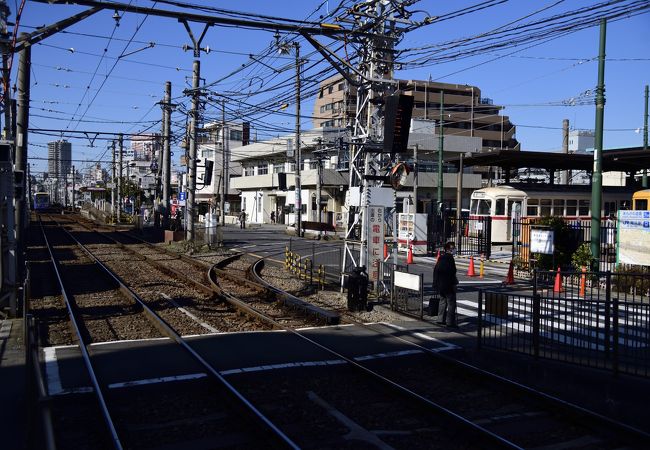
444	279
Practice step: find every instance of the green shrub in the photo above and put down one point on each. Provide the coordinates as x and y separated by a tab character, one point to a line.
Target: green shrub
582	257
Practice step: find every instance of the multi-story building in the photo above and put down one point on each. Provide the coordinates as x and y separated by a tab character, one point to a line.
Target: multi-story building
322	149
465	112
211	147
144	147
59	158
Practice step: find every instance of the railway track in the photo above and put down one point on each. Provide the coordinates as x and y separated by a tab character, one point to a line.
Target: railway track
193	413
521	416
423	400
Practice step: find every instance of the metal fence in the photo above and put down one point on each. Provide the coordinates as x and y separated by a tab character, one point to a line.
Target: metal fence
579	233
408	301
589	319
472	236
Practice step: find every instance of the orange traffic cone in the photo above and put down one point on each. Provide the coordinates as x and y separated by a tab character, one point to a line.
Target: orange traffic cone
409	255
471	272
385	251
557	288
583	281
510	278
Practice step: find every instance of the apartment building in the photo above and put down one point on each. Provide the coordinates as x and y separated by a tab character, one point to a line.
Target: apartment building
262	163
465	111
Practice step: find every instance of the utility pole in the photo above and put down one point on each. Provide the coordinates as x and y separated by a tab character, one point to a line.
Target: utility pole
224	173
166	159
73	186
416	169
191	164
120	149
441	149
20	163
597	177
114	182
298	152
644	180
565	175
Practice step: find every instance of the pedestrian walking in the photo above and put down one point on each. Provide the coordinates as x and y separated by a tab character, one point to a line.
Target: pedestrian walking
272	216
445	281
242	219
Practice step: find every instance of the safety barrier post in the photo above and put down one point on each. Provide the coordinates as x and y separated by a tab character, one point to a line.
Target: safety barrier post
321	276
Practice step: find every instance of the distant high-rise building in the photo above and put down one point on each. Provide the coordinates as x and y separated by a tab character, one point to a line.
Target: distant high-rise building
144	147
59	158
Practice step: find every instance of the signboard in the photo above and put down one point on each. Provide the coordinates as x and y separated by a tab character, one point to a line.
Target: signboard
633	238
375	241
541	241
226	207
182	196
409	281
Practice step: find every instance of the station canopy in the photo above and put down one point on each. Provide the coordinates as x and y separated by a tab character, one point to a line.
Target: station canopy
630	159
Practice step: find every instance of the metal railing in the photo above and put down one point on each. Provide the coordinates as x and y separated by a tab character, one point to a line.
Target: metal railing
580	233
472	236
584	318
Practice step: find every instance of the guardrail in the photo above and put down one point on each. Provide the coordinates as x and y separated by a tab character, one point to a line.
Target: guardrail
598	330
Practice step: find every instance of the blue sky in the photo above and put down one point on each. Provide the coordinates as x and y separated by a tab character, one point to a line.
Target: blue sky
71	89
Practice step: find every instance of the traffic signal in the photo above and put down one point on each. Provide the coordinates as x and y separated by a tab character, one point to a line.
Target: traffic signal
207	176
282	181
397	122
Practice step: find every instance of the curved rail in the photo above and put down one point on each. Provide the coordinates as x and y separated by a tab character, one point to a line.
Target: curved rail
166	329
83	347
487	436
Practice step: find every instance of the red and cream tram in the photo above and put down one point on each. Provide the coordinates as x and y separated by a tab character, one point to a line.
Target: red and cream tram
507	202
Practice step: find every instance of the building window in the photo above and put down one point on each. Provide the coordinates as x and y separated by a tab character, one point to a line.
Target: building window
236	135
571	208
278	168
330	89
249	171
341	86
262	169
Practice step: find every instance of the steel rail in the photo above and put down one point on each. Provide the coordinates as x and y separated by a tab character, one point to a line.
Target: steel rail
172	334
491	439
83	347
628	433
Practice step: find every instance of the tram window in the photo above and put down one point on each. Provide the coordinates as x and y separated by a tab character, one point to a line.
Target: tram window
500	207
531	208
558	207
484	207
641	204
572	207
610	208
545	210
583	207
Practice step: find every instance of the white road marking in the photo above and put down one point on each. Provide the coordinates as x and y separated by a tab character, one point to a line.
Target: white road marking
189	314
52	371
5	330
445	345
125	341
126	384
